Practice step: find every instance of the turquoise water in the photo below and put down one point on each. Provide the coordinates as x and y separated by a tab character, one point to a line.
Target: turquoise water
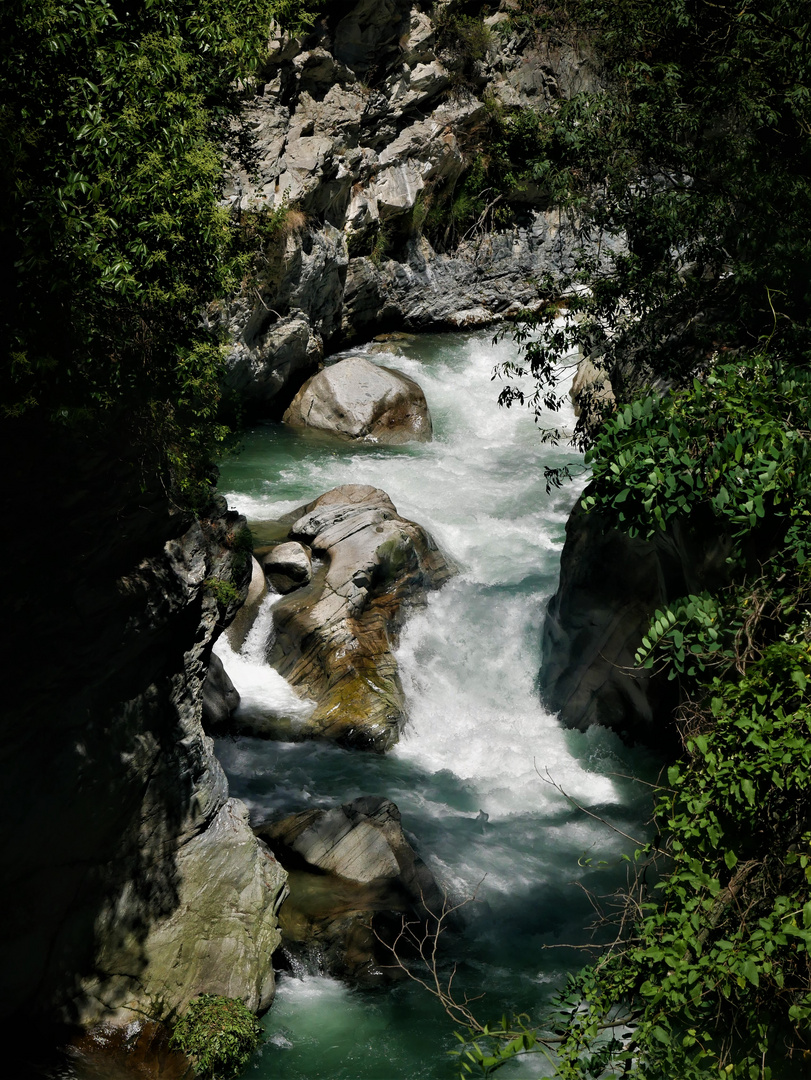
471	773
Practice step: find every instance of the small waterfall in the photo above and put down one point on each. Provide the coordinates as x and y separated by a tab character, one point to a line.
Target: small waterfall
471	773
262	691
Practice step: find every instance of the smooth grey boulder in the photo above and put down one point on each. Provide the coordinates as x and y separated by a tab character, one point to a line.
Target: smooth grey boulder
353	878
288	566
362	400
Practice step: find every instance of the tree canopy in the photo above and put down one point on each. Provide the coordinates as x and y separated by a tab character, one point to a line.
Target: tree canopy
114	121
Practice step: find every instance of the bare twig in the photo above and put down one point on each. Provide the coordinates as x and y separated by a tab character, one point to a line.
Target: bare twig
553	783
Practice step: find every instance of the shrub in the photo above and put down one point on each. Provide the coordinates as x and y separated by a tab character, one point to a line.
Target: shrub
218	1034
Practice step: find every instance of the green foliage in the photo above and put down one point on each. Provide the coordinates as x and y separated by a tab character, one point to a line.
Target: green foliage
695	154
218	1034
714	976
736	441
686	178
296	17
113	240
225	592
464	41
494	189
380	245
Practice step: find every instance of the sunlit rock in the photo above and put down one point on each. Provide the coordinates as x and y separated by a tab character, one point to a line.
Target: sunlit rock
362	400
353	879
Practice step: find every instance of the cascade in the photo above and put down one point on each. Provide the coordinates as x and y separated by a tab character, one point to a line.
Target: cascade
471	774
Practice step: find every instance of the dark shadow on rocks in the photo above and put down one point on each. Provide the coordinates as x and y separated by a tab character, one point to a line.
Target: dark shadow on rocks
108	781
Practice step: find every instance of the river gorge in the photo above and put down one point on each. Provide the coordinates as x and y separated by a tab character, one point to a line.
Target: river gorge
471	774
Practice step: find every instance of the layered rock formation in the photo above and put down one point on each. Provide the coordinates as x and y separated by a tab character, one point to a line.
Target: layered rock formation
335	636
131	880
353	879
362	128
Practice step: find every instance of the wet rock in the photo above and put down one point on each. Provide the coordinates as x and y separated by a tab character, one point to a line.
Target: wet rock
362	400
221	931
244	618
335	636
154	888
353	878
139	1051
288	567
220	696
610	585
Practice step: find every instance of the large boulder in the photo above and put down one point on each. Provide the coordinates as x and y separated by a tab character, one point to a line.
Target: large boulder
362	400
610	585
335	636
288	566
353	878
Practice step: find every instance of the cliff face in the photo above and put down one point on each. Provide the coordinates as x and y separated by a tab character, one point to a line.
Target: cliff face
365	128
131	881
610	586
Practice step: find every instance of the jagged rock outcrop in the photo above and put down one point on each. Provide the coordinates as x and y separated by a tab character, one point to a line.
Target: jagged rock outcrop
153	887
362	128
353	878
610	585
362	400
334	637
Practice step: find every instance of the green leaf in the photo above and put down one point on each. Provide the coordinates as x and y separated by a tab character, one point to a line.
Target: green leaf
750	972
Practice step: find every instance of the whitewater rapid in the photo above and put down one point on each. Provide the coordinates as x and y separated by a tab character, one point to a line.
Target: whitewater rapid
474	772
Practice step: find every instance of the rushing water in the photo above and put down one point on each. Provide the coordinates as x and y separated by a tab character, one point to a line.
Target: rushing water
471	773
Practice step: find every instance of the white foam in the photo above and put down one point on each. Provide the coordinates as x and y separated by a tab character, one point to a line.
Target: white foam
262	690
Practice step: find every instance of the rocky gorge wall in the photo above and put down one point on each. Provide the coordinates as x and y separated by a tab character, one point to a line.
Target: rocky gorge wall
363	129
131	881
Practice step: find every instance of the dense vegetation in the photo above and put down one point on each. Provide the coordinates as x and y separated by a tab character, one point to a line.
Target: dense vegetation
696	150
113	122
218	1034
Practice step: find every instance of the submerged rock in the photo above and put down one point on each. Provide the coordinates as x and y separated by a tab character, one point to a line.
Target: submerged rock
140	1050
362	400
334	637
353	878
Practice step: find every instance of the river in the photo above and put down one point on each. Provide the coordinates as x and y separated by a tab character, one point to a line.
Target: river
471	773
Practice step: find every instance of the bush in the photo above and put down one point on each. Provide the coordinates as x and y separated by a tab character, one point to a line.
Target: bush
219	1034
